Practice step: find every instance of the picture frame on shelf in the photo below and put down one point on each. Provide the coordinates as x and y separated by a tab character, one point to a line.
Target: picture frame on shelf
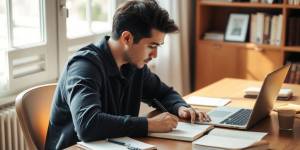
237	27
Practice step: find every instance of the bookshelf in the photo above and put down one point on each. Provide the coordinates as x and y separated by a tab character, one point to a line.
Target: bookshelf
215	60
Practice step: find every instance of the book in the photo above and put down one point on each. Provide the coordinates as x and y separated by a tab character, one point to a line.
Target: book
253	28
105	145
297	74
207	101
184	132
259	28
278	31
266	37
274	23
219	138
291	31
297	41
217	36
293	73
252	92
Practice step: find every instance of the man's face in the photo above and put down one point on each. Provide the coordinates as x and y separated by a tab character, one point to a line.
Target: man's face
145	50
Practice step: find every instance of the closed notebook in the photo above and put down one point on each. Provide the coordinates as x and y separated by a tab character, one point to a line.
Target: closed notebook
184	131
218	139
252	92
207	101
105	145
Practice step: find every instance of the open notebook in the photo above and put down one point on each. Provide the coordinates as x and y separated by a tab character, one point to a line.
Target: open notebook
231	139
184	131
105	145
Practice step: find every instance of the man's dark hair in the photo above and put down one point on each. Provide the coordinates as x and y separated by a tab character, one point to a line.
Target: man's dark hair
139	17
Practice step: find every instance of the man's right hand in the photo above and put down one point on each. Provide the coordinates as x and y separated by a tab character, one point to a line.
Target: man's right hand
164	122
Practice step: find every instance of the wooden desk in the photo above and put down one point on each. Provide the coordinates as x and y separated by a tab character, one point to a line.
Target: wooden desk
233	89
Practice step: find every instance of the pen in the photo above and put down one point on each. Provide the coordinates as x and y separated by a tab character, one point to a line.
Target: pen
159	105
123	144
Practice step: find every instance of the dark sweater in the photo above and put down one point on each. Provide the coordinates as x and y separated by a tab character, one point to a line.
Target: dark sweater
95	101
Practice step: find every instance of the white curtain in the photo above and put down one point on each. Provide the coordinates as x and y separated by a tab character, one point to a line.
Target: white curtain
172	64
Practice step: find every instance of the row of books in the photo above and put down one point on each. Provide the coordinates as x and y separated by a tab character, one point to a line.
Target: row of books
293	31
253	1
294	2
294	74
266	29
267	1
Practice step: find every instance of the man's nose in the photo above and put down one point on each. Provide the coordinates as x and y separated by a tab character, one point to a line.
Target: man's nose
153	53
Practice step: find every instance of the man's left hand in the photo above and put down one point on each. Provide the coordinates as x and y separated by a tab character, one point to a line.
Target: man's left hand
193	114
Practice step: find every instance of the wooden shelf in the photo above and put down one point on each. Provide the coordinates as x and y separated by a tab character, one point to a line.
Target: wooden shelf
292	48
240	44
293	6
242	5
215	60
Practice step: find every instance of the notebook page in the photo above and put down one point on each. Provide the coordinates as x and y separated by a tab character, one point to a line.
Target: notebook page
184	131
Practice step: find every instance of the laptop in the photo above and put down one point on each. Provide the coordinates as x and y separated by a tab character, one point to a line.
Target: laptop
242	118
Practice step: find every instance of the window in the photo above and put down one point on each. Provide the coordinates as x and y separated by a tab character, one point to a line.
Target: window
26	51
90	16
22	21
37	36
83	22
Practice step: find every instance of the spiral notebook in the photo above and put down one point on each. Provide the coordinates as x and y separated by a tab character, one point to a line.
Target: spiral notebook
105	145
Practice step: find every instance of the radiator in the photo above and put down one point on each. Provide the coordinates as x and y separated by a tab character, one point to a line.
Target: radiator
11	136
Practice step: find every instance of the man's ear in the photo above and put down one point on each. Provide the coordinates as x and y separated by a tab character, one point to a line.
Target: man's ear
127	38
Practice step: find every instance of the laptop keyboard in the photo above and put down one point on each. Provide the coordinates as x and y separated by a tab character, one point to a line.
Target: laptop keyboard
239	118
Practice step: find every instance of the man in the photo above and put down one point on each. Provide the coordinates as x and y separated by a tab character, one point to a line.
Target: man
99	93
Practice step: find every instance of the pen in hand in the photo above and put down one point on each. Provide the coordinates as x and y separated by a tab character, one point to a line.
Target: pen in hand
159	105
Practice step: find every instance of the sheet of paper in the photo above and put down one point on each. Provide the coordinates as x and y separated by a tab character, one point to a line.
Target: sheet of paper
255	136
223	142
104	145
184	131
207	101
230	139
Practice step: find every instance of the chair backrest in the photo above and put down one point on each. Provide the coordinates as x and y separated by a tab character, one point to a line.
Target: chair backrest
33	111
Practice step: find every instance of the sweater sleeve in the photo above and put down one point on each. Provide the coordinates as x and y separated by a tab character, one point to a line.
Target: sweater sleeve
84	100
154	88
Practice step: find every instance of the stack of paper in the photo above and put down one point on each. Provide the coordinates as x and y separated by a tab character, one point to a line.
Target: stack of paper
207	101
105	145
184	131
230	139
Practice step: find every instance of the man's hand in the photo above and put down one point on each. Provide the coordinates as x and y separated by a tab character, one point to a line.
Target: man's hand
192	113
164	122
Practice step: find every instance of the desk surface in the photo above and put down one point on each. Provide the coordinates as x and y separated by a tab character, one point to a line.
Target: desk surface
233	89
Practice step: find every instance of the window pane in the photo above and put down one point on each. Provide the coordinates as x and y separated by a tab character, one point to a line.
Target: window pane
3	26
100	15
26	22
88	17
77	22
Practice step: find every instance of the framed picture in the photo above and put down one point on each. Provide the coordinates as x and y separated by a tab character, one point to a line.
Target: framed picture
237	27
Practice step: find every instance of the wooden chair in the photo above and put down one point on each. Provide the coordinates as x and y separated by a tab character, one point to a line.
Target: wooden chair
33	111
